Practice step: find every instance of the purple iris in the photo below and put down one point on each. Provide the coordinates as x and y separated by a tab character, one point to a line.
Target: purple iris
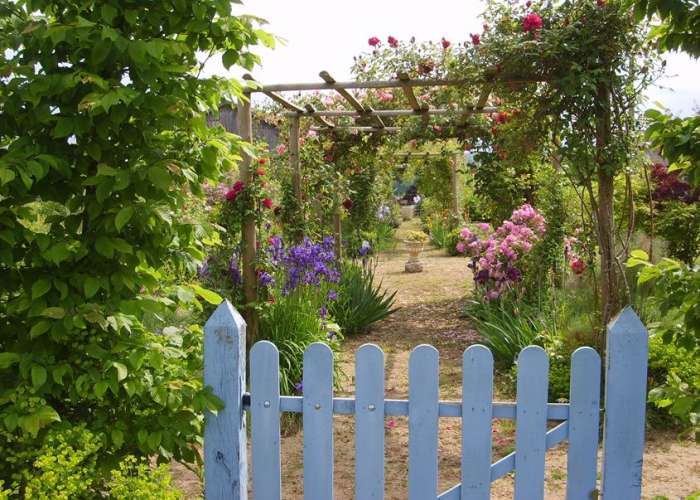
332	295
299	386
265	279
234	270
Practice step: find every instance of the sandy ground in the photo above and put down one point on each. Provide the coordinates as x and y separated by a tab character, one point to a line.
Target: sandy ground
430	304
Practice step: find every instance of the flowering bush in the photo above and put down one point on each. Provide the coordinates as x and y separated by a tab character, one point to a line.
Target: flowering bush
496	255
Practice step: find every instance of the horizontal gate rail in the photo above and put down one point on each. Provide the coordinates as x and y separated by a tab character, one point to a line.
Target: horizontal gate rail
399	407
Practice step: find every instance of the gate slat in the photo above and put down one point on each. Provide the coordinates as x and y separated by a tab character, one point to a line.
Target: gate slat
477	397
369	422
625	404
318	422
265	419
584	414
423	396
531	423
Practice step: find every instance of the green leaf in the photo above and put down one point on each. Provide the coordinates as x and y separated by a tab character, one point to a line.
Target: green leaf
63	128
39	419
208	295
121	369
117	438
38	376
108	13
40	288
639	254
40	328
230	58
159	177
54	312
91	286
100	388
8	359
104	247
123	217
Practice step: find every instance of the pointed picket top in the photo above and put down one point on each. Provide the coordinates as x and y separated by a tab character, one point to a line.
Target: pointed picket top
225	315
627	323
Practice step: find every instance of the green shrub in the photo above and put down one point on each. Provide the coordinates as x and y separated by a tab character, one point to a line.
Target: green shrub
137	479
292	323
506	327
361	302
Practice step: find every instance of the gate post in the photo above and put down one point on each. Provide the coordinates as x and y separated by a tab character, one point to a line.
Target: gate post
625	407
225	458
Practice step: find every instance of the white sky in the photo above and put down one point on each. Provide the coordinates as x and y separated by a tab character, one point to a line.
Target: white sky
326	34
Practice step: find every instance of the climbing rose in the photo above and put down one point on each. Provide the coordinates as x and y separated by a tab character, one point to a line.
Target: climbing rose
267	203
445	43
385	96
476	39
578	266
347	204
259	172
281	149
532	22
374	41
262	161
231	195
311	133
393	42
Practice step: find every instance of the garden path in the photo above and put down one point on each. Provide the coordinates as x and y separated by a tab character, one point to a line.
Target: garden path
430	306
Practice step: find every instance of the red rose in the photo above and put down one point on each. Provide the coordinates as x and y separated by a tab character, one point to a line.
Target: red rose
259	172
238	186
578	266
445	43
532	22
262	161
267	203
393	42
374	41
476	39
231	195
328	158
347	204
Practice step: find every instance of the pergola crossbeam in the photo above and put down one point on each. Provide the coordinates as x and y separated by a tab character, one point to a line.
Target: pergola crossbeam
484	96
376	117
354	103
410	95
394	112
312	112
356	129
278	98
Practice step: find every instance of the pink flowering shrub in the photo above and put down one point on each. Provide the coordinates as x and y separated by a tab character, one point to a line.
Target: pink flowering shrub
573	248
496	255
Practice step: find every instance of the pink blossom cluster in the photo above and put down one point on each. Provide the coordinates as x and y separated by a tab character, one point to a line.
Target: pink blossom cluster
572	245
495	255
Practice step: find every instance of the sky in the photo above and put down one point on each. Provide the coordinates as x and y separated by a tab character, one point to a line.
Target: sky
325	34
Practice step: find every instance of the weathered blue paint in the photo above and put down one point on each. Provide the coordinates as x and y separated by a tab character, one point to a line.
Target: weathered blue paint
369	422
318	422
625	404
265	420
477	397
225	433
584	414
225	458
423	396
531	423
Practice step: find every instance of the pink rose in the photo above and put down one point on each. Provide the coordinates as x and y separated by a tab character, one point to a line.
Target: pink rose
281	149
374	41
393	42
476	39
532	22
445	43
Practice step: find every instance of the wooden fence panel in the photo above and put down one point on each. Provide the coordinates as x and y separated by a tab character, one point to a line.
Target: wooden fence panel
423	397
369	422
318	422
265	420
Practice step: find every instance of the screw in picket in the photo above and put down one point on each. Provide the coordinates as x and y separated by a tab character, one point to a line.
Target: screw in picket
266	404
317	406
371	407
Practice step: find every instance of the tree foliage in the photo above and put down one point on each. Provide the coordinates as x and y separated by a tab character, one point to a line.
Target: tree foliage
103	142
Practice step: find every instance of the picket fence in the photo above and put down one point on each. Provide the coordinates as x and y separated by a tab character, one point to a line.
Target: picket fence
225	439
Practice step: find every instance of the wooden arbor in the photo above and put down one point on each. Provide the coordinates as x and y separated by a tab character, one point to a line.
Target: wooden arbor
357	111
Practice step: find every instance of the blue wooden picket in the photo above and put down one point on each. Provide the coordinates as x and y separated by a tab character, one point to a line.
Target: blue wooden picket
477	397
225	462
531	423
265	420
369	422
423	397
317	417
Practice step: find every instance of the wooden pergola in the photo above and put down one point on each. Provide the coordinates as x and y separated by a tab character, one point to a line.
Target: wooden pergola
367	120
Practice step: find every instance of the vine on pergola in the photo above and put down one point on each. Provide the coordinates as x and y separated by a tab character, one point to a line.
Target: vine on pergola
566	77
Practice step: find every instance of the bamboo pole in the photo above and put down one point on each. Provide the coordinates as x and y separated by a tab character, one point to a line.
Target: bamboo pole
245	128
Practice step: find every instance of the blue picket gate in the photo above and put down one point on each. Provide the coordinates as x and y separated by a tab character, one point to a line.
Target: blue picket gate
225	439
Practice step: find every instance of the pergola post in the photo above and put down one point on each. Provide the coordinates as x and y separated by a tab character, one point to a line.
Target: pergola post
454	178
338	229
250	280
295	166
